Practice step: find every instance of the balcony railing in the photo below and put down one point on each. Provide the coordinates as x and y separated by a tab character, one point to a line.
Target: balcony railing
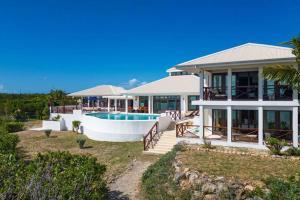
278	92
214	93
244	92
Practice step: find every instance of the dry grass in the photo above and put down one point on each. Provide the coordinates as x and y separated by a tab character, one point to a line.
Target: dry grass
242	167
116	155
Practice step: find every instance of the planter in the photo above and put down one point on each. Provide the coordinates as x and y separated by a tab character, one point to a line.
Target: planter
53	125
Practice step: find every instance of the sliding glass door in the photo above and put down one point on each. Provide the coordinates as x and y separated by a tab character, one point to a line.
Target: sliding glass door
163	103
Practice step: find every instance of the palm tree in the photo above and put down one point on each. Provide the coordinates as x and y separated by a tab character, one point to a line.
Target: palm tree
286	73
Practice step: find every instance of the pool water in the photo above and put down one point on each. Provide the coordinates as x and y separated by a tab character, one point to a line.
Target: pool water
122	116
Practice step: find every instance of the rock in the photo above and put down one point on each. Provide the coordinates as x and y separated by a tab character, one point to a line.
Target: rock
186	170
193	176
249	188
178	176
222	187
220	178
209	188
197	195
210	197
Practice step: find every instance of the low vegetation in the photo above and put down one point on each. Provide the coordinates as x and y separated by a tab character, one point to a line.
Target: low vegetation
275	145
56	175
279	176
117	156
157	181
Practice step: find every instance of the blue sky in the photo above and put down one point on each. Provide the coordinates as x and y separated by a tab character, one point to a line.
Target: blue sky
72	45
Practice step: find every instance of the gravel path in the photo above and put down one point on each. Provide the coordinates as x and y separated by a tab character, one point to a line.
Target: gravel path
127	185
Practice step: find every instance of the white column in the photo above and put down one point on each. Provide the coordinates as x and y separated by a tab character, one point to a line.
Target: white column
88	101
183	103
295	126
260	84
260	125
229	87
149	105
201	121
126	104
201	75
116	106
108	105
98	101
229	123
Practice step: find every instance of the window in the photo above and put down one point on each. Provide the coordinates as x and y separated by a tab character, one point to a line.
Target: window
163	103
192	98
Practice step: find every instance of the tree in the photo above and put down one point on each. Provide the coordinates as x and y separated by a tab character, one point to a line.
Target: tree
286	73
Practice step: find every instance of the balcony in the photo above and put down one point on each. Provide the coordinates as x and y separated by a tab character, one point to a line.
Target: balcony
278	92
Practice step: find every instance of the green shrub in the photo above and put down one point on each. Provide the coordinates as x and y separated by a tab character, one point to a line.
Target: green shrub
8	142
47	132
157	181
81	141
275	145
56	118
293	151
76	125
46	112
12	173
280	189
55	175
12	127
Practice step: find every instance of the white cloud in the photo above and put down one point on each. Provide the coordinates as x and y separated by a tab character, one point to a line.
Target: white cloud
1	87
134	83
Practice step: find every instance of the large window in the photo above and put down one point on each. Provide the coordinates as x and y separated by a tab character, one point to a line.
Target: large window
180	73
192	98
245	85
244	125
164	103
275	90
278	124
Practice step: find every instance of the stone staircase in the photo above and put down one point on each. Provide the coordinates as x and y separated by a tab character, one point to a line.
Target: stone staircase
165	143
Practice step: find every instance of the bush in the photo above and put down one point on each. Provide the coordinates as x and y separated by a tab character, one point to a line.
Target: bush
12	127
280	189
293	151
56	118
47	132
8	142
275	145
12	173
46	112
81	141
55	175
76	125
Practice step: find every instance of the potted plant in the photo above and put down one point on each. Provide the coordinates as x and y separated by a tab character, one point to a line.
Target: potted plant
76	125
81	141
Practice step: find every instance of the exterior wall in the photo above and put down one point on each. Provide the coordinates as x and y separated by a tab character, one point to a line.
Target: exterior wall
107	130
53	125
260	105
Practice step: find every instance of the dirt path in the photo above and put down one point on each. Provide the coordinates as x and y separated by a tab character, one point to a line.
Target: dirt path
127	185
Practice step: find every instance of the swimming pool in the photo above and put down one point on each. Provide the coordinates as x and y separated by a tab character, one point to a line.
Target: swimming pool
121	127
123	116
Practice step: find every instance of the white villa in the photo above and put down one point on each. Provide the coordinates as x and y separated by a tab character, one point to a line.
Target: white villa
237	106
225	92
